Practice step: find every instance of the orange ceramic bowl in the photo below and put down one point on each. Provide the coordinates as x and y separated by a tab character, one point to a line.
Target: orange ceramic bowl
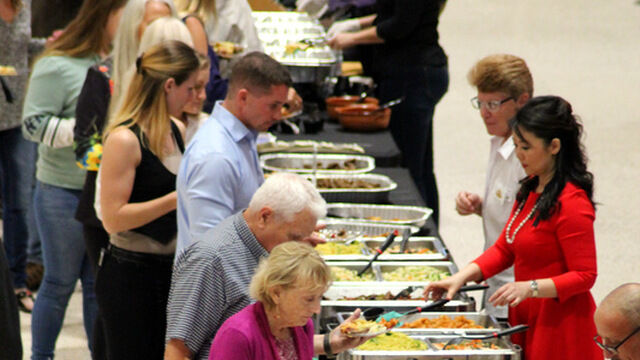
363	117
335	102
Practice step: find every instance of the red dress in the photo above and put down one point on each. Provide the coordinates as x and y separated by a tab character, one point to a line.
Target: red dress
561	248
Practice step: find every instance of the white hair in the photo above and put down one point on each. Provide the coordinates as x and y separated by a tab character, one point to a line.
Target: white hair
126	44
163	29
288	194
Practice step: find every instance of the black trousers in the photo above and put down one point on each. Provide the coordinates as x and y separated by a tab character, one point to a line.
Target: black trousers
412	121
132	290
10	342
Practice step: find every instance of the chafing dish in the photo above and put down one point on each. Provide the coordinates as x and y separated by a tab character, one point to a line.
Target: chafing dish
437	251
392	214
361	195
382	268
367	231
277	29
303	163
488	323
507	351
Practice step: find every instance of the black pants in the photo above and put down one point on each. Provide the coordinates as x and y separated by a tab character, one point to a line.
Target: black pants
10	343
412	121
96	239
132	290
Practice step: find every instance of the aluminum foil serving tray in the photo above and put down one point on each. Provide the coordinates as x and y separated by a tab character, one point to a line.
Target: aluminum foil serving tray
392	214
358	195
303	163
439	252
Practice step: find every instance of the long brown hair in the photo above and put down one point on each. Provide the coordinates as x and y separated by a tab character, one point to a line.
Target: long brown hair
145	103
85	35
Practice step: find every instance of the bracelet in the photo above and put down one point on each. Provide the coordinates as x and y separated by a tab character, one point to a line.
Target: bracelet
326	344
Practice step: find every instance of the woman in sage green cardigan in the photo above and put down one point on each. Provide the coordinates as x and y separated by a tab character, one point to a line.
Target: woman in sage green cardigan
48	119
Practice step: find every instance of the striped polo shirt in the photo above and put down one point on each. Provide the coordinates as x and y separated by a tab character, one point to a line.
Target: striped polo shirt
210	283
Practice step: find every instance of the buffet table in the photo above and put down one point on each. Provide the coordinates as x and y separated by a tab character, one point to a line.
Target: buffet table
378	144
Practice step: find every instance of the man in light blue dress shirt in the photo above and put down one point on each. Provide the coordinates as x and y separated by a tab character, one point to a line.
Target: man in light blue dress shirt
220	172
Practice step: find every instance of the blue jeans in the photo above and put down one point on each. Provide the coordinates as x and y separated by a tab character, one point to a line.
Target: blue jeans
412	121
65	261
17	168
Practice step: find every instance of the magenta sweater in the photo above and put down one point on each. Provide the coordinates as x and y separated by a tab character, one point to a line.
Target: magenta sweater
246	335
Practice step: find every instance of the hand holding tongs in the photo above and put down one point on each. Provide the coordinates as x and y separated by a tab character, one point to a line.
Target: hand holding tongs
388	241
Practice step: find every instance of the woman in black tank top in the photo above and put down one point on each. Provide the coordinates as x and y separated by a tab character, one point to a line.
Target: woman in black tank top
138	201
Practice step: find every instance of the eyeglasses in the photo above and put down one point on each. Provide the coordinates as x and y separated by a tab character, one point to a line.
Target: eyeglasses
489	105
613	350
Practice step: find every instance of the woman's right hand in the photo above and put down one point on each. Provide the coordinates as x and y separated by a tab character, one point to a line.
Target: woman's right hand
448	287
468	203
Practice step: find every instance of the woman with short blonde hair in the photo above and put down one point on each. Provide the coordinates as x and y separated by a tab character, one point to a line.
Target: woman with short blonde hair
288	287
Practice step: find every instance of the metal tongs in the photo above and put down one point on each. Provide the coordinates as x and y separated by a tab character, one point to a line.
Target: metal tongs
314	41
387	242
465	336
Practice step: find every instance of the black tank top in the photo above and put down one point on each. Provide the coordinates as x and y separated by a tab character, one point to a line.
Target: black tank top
152	181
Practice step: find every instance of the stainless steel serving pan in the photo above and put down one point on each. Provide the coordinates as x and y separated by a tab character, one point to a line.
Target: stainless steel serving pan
439	253
367	230
391	214
488	322
507	351
380	268
359	195
303	163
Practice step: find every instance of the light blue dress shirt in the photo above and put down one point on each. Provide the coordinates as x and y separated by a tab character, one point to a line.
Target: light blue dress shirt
218	175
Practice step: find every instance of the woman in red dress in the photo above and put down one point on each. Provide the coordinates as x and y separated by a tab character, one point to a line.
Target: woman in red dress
549	239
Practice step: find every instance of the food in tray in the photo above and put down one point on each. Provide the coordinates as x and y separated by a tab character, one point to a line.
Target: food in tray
291	48
8	71
415	273
346	165
338	234
226	49
393	341
362	327
443	321
336	248
386	296
343	274
379	218
308	145
344	183
468	345
396	250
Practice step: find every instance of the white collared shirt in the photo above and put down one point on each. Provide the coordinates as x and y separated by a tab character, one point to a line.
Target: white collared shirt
503	173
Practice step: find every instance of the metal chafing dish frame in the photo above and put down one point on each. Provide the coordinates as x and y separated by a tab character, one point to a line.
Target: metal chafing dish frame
366	163
433	243
409	215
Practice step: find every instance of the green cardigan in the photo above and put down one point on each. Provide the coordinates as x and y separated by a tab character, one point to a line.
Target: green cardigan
49	115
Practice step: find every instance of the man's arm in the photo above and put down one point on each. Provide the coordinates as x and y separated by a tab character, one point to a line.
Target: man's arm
177	350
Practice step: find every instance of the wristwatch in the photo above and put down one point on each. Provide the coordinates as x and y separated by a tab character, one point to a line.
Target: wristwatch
534	287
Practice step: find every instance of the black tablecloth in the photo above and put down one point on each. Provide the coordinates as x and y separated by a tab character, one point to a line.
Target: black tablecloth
378	144
407	194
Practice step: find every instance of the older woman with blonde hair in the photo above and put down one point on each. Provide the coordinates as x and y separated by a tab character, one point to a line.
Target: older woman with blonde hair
138	202
288	287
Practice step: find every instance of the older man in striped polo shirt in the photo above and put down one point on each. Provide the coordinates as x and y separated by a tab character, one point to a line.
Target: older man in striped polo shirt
211	277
